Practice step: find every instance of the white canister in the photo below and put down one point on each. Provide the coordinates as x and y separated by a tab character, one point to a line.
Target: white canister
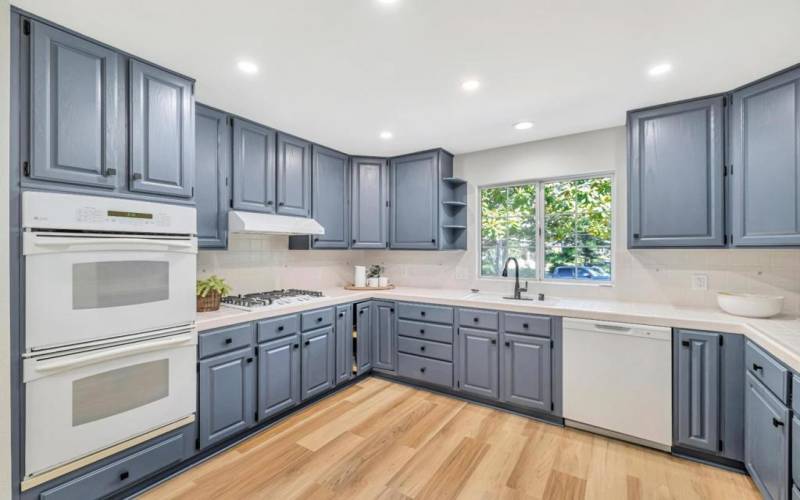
360	277
373	282
383	282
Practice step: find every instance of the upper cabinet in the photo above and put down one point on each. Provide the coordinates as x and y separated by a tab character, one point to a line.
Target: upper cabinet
414	206
161	132
329	198
675	166
765	164
370	203
294	176
212	170
253	167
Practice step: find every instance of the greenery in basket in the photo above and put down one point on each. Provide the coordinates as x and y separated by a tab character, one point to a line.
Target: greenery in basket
212	284
375	271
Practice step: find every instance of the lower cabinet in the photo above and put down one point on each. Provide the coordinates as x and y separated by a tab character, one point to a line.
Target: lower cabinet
278	376
227	389
344	344
478	362
767	423
364	341
383	336
318	362
526	372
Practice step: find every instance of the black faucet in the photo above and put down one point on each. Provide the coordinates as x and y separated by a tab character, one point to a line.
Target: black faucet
517	290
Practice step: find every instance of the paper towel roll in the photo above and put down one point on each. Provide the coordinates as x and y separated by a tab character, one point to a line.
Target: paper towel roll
360	278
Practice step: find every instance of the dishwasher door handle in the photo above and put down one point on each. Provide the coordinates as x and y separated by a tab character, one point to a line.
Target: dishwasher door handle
612	328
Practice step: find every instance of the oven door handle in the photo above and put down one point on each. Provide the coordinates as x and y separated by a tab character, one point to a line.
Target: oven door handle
112	353
124	243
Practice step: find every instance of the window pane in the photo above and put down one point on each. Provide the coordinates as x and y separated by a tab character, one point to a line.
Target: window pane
508	228
526	256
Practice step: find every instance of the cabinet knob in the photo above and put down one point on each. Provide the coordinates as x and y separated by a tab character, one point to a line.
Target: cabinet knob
422	369
319	320
124	475
316	240
110	172
280	328
136	176
228	341
422	331
433	240
307	342
757	367
269	203
361	312
776	422
494	341
296	346
422	313
475	320
341	315
354	242
685	343
635	236
508	344
249	360
524	325
422	348
280	203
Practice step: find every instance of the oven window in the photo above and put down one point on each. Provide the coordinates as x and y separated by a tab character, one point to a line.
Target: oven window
117	391
121	283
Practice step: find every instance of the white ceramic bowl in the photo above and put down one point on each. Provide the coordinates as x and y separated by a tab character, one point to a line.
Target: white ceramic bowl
750	305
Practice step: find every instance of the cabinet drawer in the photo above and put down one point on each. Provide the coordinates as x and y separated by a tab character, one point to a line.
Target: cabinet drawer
796	393
767	370
475	318
425	370
422	312
425	348
796	449
527	324
274	328
225	339
425	331
121	473
317	319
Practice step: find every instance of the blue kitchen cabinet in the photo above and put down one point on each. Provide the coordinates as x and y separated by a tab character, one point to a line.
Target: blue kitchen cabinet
75	115
212	170
526	371
318	353
161	126
344	343
370	203
414	207
478	362
227	395
278	376
253	167
675	175
330	195
364	338
765	164
293	176
383	337
767	423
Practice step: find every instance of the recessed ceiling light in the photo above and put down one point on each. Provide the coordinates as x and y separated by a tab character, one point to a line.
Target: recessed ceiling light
386	135
659	69
523	125
470	85
248	67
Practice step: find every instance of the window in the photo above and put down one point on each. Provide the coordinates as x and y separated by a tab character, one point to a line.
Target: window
557	230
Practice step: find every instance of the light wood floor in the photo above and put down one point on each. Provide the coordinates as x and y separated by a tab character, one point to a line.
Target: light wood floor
378	439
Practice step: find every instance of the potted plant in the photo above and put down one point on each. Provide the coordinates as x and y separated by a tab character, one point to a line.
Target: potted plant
374	275
209	293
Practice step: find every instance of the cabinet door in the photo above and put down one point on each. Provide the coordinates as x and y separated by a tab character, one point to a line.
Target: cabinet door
414	210
765	173
74	115
383	338
161	131
526	373
329	200
478	362
370	203
212	169
318	362
253	167
344	343
227	389
364	338
766	447
294	176
675	166
697	384
278	376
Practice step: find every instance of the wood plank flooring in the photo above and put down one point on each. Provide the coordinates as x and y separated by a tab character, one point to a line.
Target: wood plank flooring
382	440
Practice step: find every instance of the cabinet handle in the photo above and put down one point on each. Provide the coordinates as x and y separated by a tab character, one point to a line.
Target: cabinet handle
524	325
319	320
422	313
475	320
635	236
136	176
354	242
685	343
228	341
391	310
776	422
494	341
341	315
508	344
361	312
296	346
307	342
124	475
433	240
249	360
422	331
280	328
110	172
422	369
757	367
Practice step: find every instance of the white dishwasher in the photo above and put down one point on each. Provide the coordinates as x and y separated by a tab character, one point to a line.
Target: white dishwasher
618	380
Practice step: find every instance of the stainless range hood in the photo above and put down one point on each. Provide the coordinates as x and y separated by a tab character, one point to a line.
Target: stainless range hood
256	223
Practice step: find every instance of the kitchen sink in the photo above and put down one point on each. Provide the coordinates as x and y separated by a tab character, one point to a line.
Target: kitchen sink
505	298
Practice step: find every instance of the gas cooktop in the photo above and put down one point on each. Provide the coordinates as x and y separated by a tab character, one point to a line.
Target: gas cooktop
260	300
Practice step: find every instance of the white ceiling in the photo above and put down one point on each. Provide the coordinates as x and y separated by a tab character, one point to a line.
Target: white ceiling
340	71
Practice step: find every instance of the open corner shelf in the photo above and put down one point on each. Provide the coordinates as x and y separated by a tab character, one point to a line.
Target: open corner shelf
454	203
454	181
453	227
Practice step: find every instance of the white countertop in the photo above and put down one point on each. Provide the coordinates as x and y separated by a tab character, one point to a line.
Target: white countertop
780	335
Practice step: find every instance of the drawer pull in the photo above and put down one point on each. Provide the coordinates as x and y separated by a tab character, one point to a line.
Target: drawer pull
524	325
249	360
686	343
508	344
361	311
422	331
422	313
422	369
475	320
296	346
307	342
229	341
757	367
341	315
776	422
319	320
494	341
422	348
280	328
124	475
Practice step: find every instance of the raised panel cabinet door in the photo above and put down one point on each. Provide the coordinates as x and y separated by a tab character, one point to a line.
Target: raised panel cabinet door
526	371
330	181
697	385
766	447
318	362
161	131
253	167
74	115
364	338
278	376
370	203
344	343
414	210
676	174
765	169
294	176
384	338
478	362
212	170
227	389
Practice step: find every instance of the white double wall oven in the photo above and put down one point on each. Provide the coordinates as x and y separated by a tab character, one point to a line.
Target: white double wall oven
110	341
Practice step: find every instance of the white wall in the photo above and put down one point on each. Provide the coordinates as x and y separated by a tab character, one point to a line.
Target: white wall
5	370
639	275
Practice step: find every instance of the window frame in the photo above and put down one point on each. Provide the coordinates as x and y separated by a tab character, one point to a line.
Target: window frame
539	220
